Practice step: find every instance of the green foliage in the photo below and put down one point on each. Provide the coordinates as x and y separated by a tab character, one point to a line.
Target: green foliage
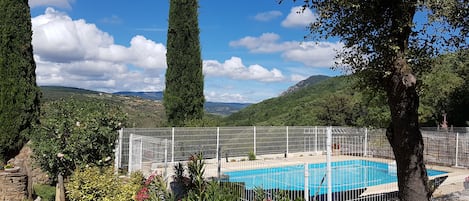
184	93
95	183
19	94
259	194
46	192
195	187
334	101
196	168
251	156
214	191
154	189
445	90
208	120
74	134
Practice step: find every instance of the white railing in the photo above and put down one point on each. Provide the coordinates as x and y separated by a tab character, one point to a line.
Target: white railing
226	150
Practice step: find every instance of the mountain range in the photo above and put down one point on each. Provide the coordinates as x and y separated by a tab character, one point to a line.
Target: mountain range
217	108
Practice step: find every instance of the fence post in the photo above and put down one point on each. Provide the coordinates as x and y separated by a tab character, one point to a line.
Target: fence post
329	164
457	149
165	158
118	151
129	168
218	143
172	145
316	139
141	154
287	140
219	164
254	141
365	149
306	187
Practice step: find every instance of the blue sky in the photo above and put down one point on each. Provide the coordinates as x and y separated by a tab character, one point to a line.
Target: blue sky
251	50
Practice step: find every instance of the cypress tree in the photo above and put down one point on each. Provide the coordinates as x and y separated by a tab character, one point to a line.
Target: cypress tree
184	93
19	94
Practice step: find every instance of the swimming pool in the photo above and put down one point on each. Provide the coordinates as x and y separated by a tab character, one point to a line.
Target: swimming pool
347	175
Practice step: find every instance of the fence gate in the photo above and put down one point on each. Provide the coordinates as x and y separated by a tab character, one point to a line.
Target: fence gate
147	153
135	155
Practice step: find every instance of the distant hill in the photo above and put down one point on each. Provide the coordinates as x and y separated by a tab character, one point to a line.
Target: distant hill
140	112
303	105
158	95
305	83
216	108
57	92
224	109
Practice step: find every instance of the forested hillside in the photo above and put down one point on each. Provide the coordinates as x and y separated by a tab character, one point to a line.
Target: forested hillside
329	102
324	101
140	112
444	89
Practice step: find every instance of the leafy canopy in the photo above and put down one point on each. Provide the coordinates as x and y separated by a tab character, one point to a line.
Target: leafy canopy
74	134
374	32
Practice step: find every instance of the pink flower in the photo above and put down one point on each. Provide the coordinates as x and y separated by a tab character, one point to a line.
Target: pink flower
142	194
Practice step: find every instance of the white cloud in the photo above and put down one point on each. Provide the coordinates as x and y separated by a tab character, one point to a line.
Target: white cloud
297	78
267	16
56	3
235	69
225	97
266	43
76	53
299	17
313	54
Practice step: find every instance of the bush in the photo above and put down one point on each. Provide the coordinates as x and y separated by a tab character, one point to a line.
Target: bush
154	189
251	156
95	183
196	187
46	192
74	133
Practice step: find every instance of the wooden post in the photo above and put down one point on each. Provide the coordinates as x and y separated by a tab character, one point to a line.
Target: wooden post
60	189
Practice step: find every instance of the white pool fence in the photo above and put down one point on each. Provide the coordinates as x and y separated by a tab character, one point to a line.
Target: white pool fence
299	150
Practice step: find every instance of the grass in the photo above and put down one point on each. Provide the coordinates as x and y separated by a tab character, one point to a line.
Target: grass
46	192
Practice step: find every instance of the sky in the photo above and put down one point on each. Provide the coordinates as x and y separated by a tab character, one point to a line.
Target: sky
252	50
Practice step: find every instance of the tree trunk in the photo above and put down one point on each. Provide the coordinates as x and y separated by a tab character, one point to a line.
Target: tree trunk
404	134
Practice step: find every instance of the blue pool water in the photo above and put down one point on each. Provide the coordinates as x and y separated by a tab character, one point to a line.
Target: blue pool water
347	175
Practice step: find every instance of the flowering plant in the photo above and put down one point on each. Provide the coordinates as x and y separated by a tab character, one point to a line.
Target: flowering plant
154	189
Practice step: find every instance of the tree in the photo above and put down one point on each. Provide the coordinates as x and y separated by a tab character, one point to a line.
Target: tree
383	44
445	90
76	133
19	94
184	93
440	85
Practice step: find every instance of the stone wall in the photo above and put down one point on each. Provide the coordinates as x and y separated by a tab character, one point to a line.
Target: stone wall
13	186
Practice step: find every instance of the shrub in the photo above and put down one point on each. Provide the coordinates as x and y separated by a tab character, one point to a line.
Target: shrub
74	133
196	187
251	156
95	183
154	189
46	192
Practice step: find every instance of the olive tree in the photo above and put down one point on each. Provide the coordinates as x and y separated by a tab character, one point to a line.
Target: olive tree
388	48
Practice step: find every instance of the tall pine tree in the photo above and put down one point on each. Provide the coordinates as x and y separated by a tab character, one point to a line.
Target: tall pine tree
19	94
184	93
